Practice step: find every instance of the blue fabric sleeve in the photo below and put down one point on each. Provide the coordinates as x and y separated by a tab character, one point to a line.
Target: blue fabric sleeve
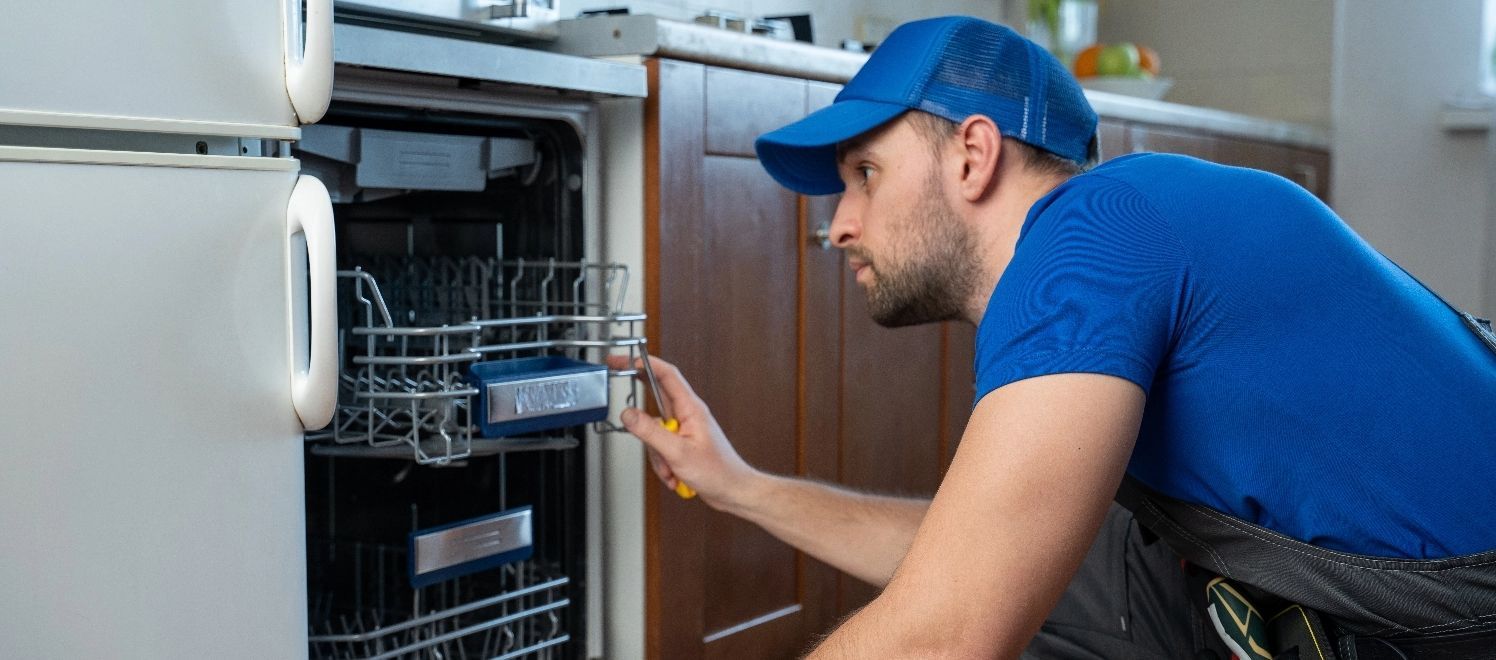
1097	284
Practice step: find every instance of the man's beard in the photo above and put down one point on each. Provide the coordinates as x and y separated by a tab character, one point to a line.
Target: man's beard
939	273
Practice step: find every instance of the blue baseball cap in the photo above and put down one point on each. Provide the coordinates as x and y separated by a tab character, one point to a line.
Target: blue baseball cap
952	67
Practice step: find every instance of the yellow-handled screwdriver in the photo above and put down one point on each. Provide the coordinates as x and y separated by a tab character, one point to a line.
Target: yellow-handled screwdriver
667	420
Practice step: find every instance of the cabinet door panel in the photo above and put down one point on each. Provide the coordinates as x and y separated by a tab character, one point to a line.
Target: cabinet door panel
674	138
749	234
740	106
723	250
1147	137
958	351
1257	155
891	382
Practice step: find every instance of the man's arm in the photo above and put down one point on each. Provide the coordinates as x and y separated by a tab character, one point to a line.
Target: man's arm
864	535
1028	488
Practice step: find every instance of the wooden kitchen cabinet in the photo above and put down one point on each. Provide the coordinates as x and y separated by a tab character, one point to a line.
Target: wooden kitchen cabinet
772	332
1307	167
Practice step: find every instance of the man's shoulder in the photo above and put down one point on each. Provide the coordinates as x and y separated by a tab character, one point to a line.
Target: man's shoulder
1151	173
1200	202
1133	183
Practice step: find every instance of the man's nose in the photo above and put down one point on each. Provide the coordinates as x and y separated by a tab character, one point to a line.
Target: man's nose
846	224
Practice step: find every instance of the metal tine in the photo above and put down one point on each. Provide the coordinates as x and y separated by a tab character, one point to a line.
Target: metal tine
441	290
545	286
509	639
445	288
456	292
519	274
490	644
485	273
499	279
343	620
371	646
545	298
435	630
616	272
576	288
576	300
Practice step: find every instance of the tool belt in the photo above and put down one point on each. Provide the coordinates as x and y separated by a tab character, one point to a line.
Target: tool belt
1296	632
1278	598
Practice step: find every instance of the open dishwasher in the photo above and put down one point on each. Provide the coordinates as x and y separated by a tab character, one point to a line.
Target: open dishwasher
445	503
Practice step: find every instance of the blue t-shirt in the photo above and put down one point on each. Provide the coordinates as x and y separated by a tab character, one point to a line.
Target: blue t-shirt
1295	377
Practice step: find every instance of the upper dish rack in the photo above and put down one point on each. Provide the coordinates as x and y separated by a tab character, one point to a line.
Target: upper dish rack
411	333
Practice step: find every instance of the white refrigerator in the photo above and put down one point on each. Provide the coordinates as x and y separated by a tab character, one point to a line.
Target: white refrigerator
166	325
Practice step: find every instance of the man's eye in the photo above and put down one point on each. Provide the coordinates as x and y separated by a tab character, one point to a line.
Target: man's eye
867	172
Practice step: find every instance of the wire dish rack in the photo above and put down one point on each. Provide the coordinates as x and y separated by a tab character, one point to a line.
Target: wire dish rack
517	611
413	325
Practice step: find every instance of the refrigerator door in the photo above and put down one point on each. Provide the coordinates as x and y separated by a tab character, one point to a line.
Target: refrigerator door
229	66
151	485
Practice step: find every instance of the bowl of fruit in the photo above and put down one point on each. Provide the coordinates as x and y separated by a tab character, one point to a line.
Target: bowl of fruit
1123	68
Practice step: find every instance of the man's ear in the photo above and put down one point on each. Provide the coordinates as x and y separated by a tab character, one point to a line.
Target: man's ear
981	146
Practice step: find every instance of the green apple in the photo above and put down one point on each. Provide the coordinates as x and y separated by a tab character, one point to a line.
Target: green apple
1118	60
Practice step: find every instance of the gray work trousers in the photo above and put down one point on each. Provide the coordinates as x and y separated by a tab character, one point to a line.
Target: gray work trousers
1128	601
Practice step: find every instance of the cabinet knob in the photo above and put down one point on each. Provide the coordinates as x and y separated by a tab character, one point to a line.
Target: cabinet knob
822	236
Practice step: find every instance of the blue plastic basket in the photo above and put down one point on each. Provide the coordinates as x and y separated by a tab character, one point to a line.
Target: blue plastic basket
529	395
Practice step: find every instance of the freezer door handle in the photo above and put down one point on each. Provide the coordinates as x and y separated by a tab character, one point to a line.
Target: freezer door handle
314	390
309	71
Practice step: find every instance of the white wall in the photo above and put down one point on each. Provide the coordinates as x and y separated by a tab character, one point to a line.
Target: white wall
833	20
1416	192
1269	58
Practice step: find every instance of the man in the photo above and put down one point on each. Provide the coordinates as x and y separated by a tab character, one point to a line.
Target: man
1289	408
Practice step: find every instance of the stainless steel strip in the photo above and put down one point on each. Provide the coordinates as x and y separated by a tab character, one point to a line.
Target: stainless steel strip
419	53
446	548
549	395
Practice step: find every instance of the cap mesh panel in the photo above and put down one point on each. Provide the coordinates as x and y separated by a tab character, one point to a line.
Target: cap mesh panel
986	69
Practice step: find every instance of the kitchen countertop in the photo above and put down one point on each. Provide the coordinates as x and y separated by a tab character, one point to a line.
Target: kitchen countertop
651	36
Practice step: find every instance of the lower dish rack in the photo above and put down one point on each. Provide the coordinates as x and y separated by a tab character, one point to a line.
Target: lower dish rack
516	611
416	340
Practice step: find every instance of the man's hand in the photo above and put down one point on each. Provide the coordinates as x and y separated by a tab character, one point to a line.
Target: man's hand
699	452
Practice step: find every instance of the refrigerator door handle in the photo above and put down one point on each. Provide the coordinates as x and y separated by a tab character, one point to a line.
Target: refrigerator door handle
314	390
309	72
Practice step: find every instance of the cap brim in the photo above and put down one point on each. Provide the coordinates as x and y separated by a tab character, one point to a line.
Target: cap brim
802	156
